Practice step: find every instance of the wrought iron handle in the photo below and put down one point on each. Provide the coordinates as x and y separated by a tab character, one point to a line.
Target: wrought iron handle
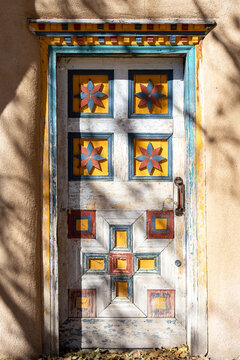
179	211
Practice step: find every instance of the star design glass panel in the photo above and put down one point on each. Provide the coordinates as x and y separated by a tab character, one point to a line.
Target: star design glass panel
150	157
90	156
150	93
90	93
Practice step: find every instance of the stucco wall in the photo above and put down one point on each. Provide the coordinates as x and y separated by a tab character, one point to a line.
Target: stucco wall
21	139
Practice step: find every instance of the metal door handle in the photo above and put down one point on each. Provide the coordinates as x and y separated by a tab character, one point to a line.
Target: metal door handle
179	211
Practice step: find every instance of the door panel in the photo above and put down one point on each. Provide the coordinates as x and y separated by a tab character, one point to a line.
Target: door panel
120	146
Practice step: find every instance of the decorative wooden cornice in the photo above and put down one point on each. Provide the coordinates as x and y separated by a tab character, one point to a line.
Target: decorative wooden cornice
121	32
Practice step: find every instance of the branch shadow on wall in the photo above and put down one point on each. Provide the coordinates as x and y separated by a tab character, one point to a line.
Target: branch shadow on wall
21	273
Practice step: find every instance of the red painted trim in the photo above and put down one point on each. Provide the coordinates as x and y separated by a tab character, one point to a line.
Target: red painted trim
113	264
73	311
169	312
78	214
151	233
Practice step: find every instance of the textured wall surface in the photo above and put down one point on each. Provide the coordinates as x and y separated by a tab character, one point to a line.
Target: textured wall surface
21	136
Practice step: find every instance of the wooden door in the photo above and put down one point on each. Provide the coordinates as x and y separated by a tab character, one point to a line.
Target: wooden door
120	146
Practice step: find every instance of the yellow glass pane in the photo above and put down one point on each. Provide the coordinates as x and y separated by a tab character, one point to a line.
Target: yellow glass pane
121	238
121	288
79	80
160	303
163	89
121	263
160	224
82	302
77	170
163	143
82	225
96	264
146	264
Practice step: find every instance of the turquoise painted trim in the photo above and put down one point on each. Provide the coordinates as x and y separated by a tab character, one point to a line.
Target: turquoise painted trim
131	138
87	256
118	49
191	194
112	230
118	33
129	280
155	256
53	247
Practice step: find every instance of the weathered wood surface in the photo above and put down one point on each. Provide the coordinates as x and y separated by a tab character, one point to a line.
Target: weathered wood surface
121	333
120	195
121	202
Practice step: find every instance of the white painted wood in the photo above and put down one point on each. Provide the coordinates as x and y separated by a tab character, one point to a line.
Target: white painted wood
111	195
121	310
120	125
102	284
143	245
144	282
123	217
123	333
123	202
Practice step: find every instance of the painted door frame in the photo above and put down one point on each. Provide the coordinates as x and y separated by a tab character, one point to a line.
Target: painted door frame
197	338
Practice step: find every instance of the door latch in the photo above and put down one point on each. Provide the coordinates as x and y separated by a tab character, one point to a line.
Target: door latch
179	211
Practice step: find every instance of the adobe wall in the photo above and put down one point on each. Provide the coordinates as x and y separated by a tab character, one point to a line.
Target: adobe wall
21	136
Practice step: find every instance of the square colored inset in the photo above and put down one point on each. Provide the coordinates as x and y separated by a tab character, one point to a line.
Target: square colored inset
95	263
146	263
150	93
90	93
120	237
82	224
122	288
161	303
150	157
81	303
121	264
90	156
160	224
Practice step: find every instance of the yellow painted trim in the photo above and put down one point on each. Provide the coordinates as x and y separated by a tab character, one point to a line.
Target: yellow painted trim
201	186
45	186
81	224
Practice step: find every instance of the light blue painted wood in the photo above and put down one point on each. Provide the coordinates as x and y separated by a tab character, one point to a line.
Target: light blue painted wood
155	256
118	49
88	256
112	230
